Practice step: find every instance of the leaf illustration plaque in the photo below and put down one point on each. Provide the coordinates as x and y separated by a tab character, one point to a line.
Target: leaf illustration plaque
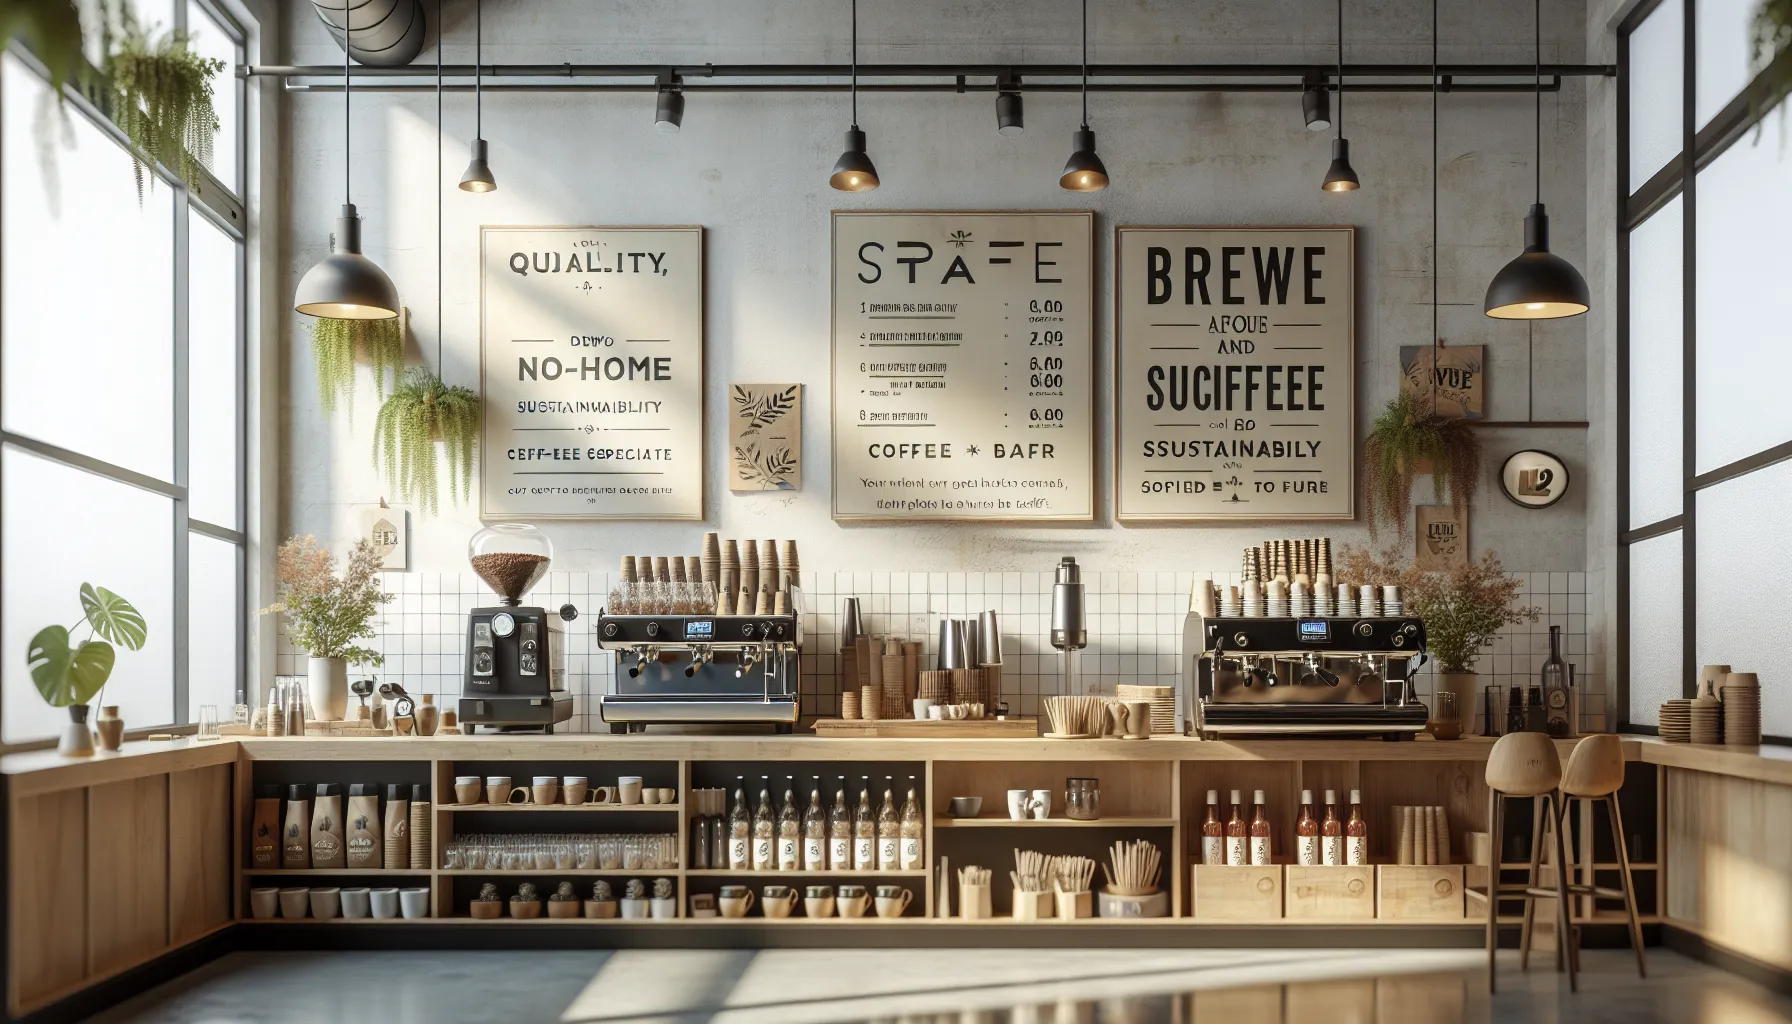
765	437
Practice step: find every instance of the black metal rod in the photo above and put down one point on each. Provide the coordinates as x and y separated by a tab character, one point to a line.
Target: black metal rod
654	71
1524	88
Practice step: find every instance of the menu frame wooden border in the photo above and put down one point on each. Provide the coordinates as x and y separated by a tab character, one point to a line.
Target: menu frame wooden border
1094	370
1114	377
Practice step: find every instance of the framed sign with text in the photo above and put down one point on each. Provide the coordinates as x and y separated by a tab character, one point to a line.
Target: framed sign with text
1234	373
963	366
591	365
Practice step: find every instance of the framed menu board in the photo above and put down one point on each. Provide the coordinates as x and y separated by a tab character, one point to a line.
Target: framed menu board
1234	373
963	366
591	365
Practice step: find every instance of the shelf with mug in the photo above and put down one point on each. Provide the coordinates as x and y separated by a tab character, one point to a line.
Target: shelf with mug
571	872
335	872
598	808
1113	822
845	873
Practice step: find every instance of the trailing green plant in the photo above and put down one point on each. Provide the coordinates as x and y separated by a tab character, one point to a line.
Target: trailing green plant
162	99
1464	608
1399	443
326	613
75	675
51	29
335	347
421	411
1773	41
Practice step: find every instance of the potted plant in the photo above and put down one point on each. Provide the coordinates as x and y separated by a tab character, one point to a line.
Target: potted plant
1773	37
564	902
1464	609
51	29
487	905
336	345
161	96
602	902
71	677
1404	443
663	904
634	899
421	411
325	615
526	904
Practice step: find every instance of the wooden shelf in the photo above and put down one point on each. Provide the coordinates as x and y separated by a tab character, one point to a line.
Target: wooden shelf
335	872
537	873
562	808
339	920
868	873
1053	823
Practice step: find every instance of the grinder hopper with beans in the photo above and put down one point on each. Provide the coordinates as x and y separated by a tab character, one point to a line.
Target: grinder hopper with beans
516	654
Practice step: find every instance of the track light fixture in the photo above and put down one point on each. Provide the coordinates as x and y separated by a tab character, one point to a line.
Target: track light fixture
478	177
1340	176
668	112
854	172
1316	105
1010	114
1084	171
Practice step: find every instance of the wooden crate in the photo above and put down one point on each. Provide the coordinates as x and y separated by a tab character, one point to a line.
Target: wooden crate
1329	893
1419	892
1225	893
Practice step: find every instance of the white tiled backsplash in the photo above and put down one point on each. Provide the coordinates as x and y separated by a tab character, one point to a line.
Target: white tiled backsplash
1135	624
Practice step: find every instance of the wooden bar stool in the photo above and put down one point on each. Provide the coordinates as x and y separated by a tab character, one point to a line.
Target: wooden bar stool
1596	772
1525	764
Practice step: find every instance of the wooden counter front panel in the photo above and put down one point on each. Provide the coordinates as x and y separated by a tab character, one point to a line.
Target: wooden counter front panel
48	895
1729	862
127	872
199	866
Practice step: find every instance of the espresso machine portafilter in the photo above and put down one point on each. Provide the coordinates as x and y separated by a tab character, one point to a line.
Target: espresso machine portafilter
1070	632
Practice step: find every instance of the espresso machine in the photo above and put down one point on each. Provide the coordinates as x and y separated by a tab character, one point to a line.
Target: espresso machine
515	677
703	668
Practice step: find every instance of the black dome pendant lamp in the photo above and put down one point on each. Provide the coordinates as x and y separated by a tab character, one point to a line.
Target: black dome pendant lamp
1084	171
854	172
478	177
1340	176
1537	284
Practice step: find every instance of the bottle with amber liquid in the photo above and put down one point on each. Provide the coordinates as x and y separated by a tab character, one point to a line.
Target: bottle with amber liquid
1238	851
1331	833
1306	832
1259	830
1213	832
1356	833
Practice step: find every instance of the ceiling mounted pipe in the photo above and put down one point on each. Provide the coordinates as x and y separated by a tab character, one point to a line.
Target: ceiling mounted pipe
381	33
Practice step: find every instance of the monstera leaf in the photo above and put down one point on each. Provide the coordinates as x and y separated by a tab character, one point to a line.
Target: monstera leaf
66	676
113	618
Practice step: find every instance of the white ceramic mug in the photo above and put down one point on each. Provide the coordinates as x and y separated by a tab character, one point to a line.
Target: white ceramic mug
1018	804
1041	804
264	902
384	902
936	714
295	902
628	789
355	903
414	902
923	708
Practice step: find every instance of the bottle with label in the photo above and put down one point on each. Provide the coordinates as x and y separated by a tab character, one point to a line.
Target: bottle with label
1557	717
740	829
815	832
364	839
326	827
840	831
1238	850
864	830
765	829
1306	832
295	837
264	832
1331	833
790	830
911	830
889	839
1356	833
398	828
1213	832
1259	830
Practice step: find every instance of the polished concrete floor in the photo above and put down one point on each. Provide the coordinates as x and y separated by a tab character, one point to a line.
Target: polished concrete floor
1003	986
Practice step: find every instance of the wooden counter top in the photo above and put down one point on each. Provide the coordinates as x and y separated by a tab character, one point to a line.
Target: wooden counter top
46	771
1762	764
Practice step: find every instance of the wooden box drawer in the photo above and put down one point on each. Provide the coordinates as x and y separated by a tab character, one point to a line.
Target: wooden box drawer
1329	893
1237	893
1419	892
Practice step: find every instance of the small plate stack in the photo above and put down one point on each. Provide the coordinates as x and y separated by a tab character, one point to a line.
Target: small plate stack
1707	721
1676	721
1742	709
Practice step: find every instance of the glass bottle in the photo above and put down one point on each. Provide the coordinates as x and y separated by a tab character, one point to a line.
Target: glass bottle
1534	718
864	830
840	831
1555	688
889	839
815	832
911	830
740	829
1356	833
1238	851
765	854
1331	831
1306	832
1259	830
790	829
1213	832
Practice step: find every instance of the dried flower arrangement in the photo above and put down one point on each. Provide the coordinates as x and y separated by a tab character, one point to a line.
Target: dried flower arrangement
1463	608
326	614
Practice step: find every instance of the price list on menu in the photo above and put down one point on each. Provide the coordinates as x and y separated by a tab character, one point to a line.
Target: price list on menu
963	377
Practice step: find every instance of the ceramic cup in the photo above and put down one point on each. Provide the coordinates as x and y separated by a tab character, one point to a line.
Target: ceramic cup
893	900
650	795
936	714
923	705
853	901
295	902
467	789
264	902
384	903
1018	802
573	789
780	900
355	903
628	789
497	789
668	795
546	789
634	910
818	901
601	795
734	900
518	795
1041	804
966	806
414	902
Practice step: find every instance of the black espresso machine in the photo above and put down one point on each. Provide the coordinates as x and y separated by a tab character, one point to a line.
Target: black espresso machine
516	656
1326	675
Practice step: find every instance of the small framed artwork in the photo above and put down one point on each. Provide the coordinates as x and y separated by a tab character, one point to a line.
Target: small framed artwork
765	434
1442	538
1452	379
388	530
1534	478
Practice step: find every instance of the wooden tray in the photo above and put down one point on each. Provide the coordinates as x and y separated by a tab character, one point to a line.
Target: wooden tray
908	728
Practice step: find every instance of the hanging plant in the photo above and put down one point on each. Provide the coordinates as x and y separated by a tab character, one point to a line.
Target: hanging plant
1773	38
1401	445
337	345
51	29
162	99
422	411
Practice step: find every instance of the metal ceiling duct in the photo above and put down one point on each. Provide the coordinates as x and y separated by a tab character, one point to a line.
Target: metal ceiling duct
381	33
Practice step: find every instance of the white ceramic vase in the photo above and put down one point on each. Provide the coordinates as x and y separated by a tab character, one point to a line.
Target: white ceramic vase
328	686
77	735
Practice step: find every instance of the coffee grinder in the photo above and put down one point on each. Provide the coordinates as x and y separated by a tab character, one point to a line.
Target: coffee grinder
516	656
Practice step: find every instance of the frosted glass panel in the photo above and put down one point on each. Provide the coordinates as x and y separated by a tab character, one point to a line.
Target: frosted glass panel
214	374
64	527
1745	303
1657	52
1657	626
1745	584
209	40
1656	355
1724	39
87	300
213	651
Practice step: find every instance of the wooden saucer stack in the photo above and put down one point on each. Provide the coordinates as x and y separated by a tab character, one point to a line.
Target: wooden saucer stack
1707	721
1742	709
1676	721
1163	704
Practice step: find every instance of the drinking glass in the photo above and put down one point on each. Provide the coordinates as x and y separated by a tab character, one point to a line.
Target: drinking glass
239	714
586	849
208	722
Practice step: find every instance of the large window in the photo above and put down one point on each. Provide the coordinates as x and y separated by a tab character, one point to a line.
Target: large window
121	393
1705	335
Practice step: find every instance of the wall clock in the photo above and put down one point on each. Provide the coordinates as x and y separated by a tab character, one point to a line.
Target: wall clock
1534	478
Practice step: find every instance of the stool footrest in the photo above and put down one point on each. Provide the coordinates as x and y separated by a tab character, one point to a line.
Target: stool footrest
1596	890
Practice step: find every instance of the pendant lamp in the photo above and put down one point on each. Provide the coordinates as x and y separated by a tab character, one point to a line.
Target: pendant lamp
1340	176
854	172
1011	117
346	285
479	173
1537	284
1084	171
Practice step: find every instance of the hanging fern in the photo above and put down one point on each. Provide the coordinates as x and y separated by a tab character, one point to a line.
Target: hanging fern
162	99
1398	443
1773	41
336	345
422	411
